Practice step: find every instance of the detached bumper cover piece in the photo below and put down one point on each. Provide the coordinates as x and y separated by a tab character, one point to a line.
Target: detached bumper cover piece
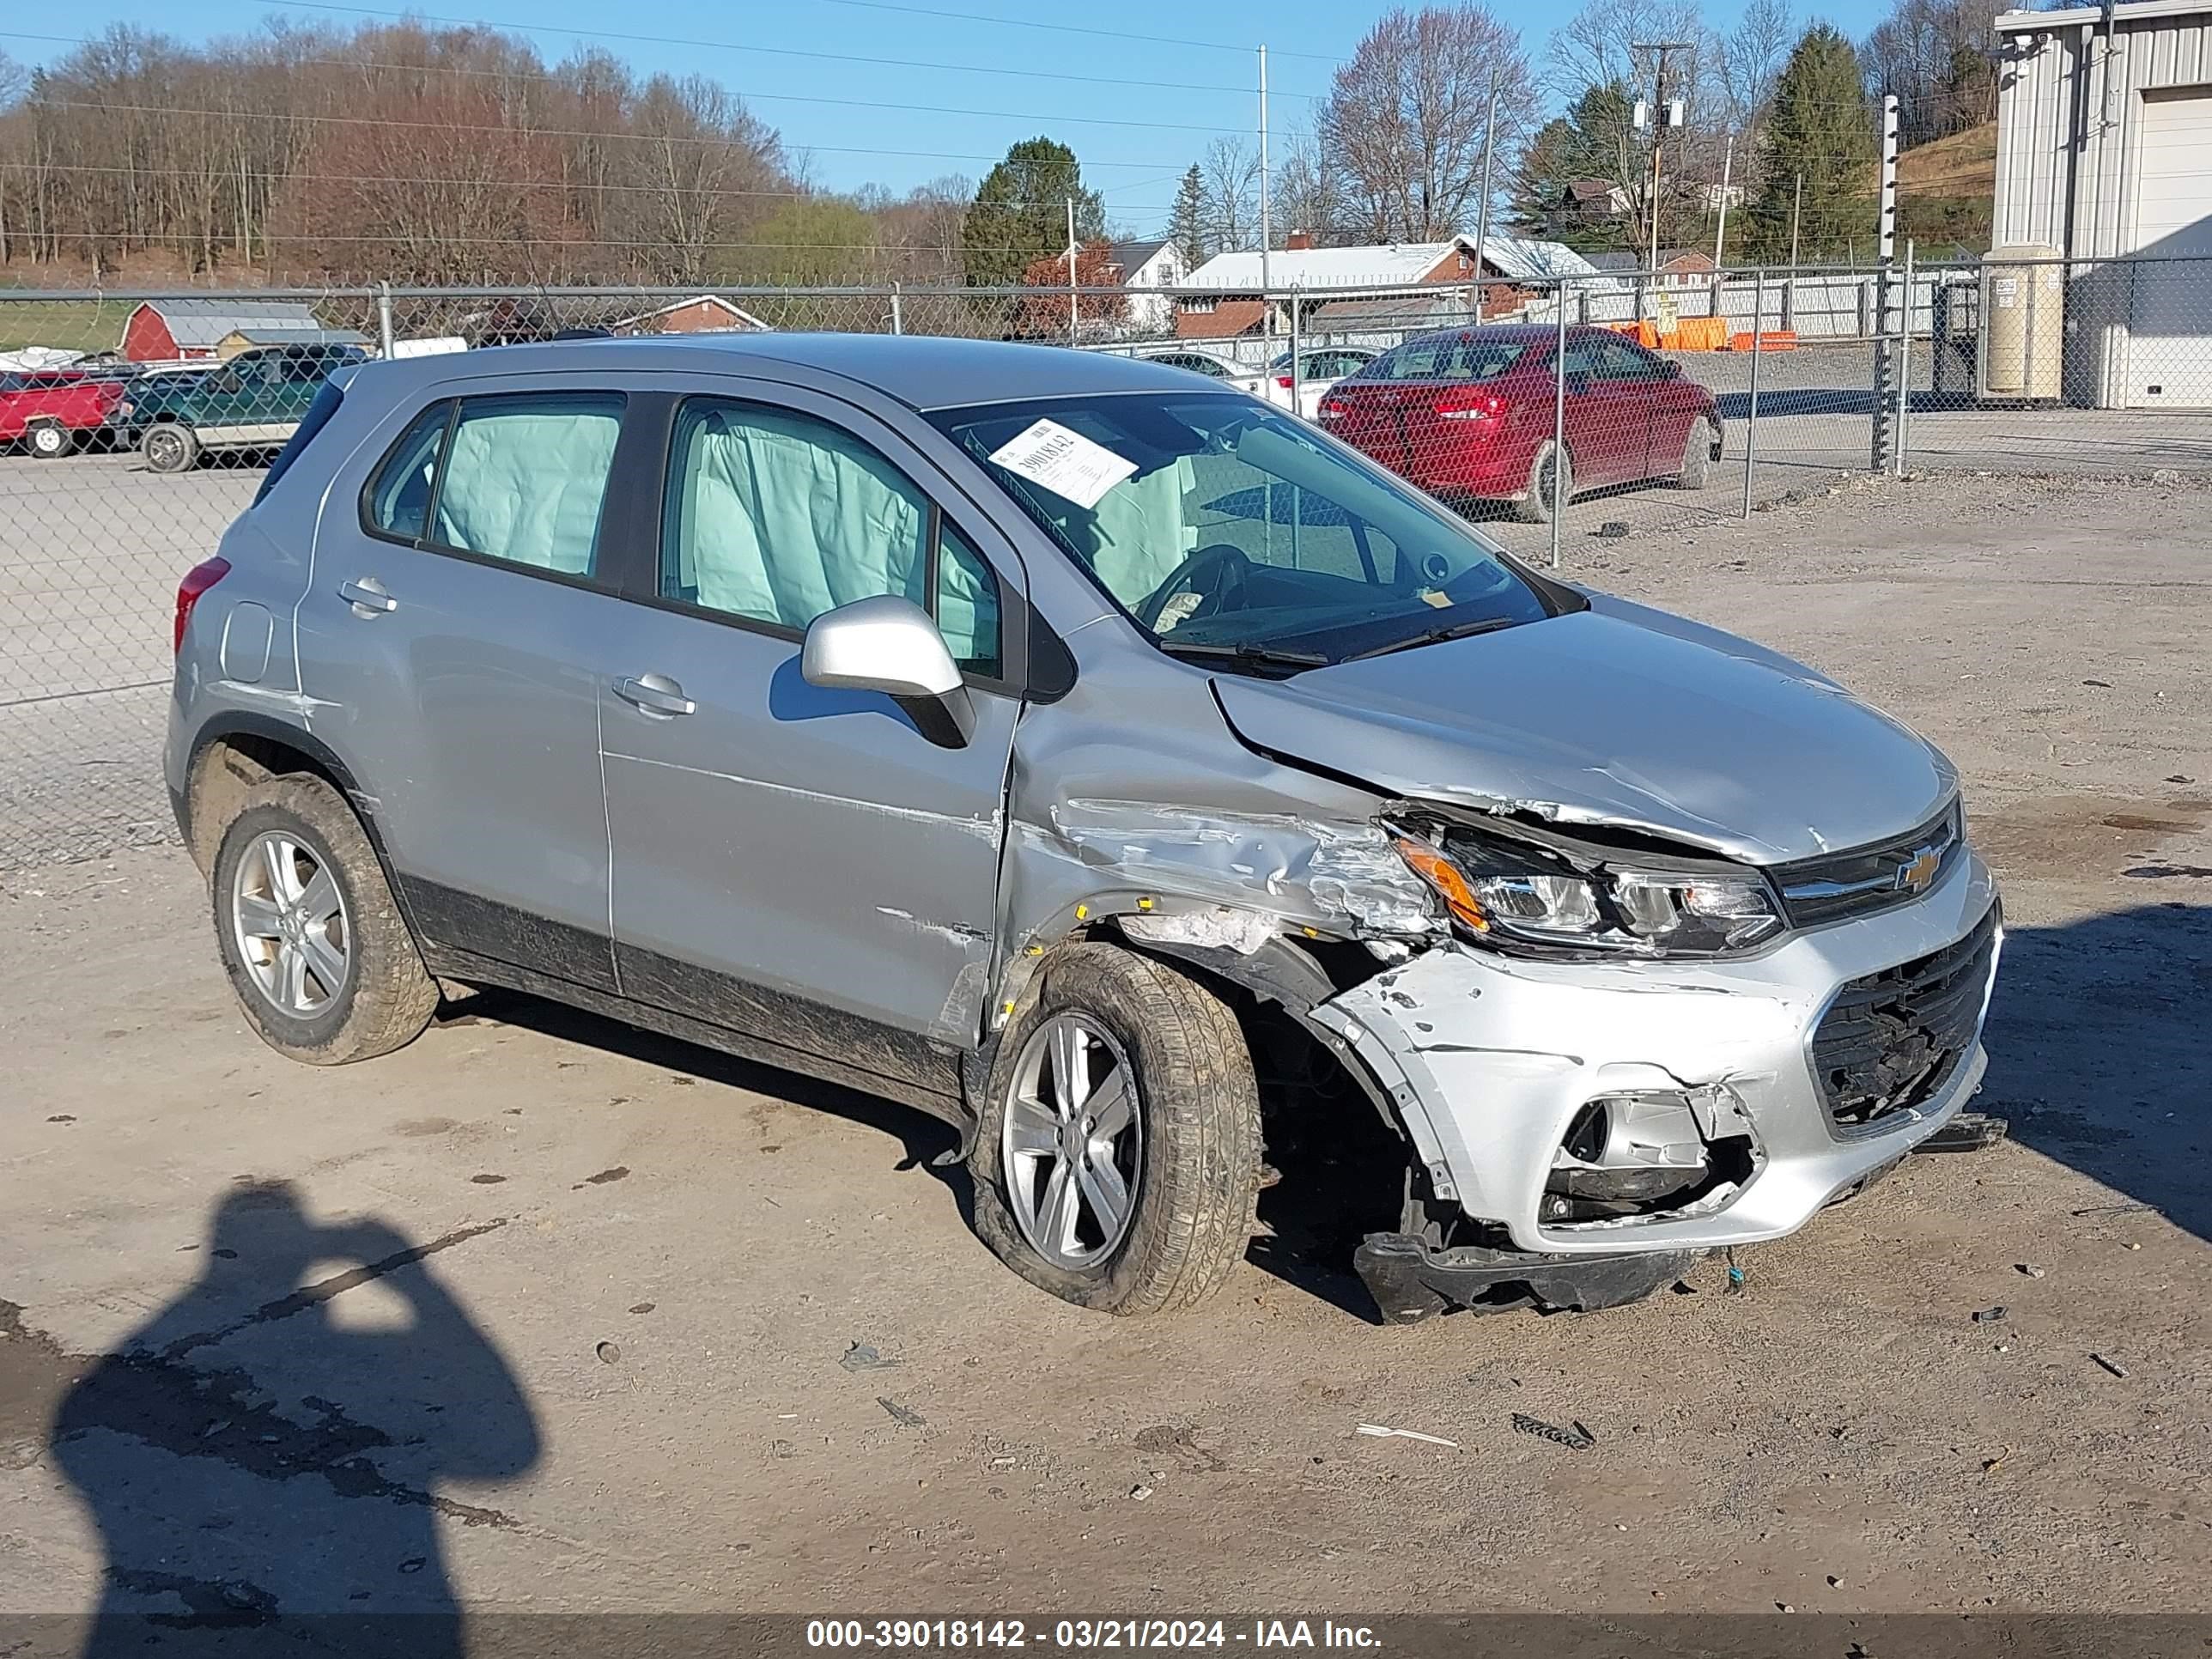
1489	1059
1410	1281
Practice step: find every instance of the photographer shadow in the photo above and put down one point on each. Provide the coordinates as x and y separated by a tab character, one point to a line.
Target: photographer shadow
262	1458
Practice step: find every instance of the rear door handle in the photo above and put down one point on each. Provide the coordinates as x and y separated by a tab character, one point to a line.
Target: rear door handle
656	693
366	597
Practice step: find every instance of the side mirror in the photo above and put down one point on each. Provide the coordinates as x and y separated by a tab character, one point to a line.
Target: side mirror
1671	370
889	644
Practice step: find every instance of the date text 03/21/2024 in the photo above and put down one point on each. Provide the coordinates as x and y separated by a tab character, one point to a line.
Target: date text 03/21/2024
1087	1634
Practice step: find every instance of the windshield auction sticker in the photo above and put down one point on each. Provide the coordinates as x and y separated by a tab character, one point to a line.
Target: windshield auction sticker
1067	463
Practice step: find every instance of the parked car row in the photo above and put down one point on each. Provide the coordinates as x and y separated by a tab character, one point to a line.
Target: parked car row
173	415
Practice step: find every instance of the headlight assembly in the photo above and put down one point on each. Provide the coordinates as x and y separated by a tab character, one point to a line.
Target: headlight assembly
1532	898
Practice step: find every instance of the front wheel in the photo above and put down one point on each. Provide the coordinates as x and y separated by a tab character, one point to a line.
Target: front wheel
169	447
322	961
1117	1160
50	440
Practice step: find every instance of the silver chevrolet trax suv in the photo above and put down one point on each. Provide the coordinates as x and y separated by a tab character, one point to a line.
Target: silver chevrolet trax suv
1048	741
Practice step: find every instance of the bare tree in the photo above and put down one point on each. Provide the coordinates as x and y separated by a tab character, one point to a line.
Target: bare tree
1228	195
1310	194
1403	125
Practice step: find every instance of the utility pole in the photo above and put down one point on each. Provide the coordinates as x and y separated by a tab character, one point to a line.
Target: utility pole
1482	208
1727	168
1660	122
1073	333
1267	223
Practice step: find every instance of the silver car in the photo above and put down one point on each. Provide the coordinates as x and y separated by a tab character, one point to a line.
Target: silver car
1052	741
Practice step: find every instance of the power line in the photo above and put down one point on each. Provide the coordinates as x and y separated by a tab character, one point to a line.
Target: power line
664	40
524	132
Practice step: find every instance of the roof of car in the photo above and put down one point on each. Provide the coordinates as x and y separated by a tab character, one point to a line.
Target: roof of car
921	371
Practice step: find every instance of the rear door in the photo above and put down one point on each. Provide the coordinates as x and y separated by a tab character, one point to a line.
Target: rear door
1608	413
802	862
459	624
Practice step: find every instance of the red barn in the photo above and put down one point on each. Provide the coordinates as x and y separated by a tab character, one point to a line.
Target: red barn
179	330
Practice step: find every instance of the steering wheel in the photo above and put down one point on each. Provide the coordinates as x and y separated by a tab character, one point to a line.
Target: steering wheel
1228	565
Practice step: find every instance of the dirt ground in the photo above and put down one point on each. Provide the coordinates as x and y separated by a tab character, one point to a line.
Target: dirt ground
581	1306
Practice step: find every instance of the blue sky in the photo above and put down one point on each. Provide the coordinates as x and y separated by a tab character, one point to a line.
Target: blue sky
1173	89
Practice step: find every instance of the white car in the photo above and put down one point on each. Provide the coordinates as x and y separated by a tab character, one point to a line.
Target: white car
1211	364
1319	368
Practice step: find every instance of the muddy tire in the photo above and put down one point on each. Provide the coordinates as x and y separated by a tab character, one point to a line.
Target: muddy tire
1188	1166
169	447
49	441
322	961
1697	456
1534	505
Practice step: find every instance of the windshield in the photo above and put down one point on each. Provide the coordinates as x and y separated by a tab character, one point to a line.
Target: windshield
1232	531
1448	357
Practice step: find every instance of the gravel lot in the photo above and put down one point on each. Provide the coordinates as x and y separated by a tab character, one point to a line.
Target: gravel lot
603	1360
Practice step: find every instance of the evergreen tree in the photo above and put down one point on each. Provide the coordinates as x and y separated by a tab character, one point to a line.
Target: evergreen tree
1187	224
1020	213
1820	126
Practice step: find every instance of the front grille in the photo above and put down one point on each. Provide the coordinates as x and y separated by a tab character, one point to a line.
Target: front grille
1889	1042
1837	886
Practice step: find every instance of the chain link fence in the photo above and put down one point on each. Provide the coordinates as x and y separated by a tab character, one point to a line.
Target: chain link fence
135	428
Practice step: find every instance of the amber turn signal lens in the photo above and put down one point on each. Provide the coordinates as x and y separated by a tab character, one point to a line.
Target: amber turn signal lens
1440	874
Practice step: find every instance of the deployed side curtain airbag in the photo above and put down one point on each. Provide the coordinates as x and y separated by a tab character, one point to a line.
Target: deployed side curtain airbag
784	518
525	483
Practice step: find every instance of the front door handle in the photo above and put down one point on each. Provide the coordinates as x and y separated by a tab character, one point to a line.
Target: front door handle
366	597
656	693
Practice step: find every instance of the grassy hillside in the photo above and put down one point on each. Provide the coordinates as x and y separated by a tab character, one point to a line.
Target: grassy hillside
1947	193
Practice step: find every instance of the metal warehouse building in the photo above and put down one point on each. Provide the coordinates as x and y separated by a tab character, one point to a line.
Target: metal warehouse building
2104	149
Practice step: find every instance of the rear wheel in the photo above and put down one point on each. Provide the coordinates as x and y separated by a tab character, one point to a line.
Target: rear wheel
323	964
1116	1163
50	440
169	447
1536	506
1697	456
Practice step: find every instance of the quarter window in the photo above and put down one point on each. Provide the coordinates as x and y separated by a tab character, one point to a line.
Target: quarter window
777	517
398	504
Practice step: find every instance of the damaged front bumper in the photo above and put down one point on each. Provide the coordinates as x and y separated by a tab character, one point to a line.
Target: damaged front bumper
1712	1073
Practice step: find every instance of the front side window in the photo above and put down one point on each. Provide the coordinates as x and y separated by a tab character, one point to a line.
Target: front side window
522	479
777	517
1229	531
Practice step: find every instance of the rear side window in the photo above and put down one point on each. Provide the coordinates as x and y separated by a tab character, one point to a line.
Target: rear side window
519	479
1450	358
316	417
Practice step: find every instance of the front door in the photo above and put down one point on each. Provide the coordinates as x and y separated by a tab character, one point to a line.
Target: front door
801	862
449	641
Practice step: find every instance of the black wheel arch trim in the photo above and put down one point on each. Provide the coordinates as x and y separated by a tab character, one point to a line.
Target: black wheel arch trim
244	723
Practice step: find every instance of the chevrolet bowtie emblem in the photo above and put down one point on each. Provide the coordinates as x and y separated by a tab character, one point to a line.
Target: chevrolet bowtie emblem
1915	877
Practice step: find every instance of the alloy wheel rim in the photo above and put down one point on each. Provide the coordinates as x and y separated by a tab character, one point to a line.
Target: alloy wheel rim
163	448
47	441
289	918
1072	1148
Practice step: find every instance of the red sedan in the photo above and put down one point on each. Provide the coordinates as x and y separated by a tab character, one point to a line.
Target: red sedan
49	410
1468	415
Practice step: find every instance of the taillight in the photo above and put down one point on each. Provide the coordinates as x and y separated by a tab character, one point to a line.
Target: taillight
1463	403
1284	382
200	577
1331	410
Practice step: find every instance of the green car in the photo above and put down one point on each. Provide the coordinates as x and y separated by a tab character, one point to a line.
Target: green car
253	402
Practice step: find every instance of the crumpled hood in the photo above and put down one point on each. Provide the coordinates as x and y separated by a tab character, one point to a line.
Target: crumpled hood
1616	715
